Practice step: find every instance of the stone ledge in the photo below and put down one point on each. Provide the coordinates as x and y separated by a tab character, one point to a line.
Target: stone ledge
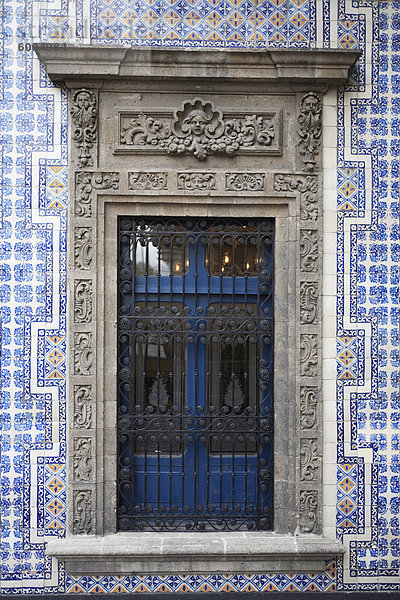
70	63
192	552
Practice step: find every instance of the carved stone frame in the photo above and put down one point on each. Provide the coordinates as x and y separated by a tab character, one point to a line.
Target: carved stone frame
288	190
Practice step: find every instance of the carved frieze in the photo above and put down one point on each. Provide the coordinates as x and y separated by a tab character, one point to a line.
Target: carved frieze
82	459
308	302
309	250
85	183
82	512
245	182
308	511
307	185
83	248
148	180
83	353
84	118
200	129
196	180
308	355
83	406
309	459
308	407
83	301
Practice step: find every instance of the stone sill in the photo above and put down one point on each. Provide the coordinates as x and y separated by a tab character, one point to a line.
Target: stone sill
193	552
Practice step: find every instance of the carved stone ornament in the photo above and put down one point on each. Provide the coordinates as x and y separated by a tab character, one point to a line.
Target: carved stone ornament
83	248
82	515
84	117
308	510
309	460
196	181
308	302
83	354
309	250
310	128
86	182
245	182
307	185
308	407
148	181
83	463
83	301
198	128
83	406
308	355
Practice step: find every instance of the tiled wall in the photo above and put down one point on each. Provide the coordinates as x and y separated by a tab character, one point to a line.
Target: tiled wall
361	265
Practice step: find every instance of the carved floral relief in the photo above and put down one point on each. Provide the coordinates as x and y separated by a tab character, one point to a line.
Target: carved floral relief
83	353
82	459
83	301
149	180
240	182
308	302
86	182
308	355
307	185
308	510
308	407
309	250
309	460
310	129
84	118
82	512
83	406
196	181
200	129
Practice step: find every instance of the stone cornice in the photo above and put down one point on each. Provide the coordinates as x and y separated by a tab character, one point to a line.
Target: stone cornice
71	64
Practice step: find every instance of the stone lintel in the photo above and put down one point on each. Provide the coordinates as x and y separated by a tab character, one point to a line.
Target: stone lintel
192	552
71	63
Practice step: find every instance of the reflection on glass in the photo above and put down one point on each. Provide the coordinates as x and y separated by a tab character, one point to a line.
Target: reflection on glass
160	254
234	253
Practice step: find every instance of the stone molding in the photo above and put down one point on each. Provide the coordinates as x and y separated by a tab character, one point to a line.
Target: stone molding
283	185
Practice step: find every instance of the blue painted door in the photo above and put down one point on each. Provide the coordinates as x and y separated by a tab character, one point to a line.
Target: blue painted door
196	351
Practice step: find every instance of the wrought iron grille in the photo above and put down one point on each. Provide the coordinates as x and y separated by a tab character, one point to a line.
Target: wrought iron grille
195	344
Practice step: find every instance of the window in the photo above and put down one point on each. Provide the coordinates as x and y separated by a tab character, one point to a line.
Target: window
195	325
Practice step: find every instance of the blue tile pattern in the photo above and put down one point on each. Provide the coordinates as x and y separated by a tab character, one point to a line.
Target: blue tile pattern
33	221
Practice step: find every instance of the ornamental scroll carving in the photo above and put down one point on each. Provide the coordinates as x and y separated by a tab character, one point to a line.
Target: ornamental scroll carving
147	181
308	355
83	354
84	117
200	129
82	507
83	248
241	182
308	510
308	407
83	463
196	181
309	460
308	302
83	406
86	182
307	185
309	250
309	127
83	301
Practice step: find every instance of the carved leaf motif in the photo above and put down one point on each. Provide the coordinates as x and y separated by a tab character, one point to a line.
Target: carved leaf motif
83	463
86	182
82	516
83	250
83	353
307	185
310	128
308	407
83	301
239	182
82	406
199	129
308	355
308	510
84	118
309	250
308	301
196	181
309	460
148	181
